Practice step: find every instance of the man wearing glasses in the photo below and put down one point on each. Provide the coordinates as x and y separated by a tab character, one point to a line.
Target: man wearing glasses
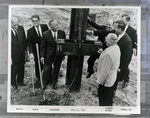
34	36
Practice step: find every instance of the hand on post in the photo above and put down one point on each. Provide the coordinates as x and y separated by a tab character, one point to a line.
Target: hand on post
89	19
89	32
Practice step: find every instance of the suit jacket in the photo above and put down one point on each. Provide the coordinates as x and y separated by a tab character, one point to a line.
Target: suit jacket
18	45
125	45
33	38
108	64
48	45
133	35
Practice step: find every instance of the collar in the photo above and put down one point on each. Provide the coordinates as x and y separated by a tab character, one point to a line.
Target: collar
126	27
121	35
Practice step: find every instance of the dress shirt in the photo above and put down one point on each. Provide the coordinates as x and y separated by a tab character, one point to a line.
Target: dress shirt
13	31
55	34
126	27
121	35
108	64
40	30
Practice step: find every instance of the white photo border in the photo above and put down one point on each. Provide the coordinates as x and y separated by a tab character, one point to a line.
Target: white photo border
75	109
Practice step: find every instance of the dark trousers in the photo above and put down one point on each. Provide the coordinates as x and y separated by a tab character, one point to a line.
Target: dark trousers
90	62
17	72
105	95
125	74
48	75
37	68
122	75
47	71
57	64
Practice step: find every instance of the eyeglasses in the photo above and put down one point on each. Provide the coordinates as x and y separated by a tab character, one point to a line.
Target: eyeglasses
34	20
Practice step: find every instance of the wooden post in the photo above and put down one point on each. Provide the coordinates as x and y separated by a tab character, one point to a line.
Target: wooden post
78	27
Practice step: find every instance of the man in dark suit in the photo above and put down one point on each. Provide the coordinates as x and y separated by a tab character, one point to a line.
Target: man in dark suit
125	44
34	36
18	53
101	37
48	52
133	35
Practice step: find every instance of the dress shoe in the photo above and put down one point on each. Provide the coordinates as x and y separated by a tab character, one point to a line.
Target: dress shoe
54	86
89	74
44	87
37	81
125	84
22	84
15	86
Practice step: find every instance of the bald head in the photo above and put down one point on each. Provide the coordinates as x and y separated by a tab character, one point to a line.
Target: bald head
111	39
14	22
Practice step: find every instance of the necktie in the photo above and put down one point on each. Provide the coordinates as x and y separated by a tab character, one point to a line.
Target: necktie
55	36
39	32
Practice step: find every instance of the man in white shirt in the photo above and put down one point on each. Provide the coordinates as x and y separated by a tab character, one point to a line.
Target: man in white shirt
108	65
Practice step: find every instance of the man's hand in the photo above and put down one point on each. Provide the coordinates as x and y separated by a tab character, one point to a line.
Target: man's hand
42	60
100	51
134	52
31	57
89	19
89	32
118	71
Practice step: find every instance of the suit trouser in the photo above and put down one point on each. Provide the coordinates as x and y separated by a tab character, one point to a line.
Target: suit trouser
122	75
126	71
105	95
17	72
37	68
57	64
125	74
90	62
47	71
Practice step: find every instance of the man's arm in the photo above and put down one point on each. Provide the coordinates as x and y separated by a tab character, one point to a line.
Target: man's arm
95	25
25	44
105	69
24	40
126	55
102	32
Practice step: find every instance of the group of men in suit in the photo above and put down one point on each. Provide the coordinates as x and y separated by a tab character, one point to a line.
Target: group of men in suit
127	42
113	35
46	39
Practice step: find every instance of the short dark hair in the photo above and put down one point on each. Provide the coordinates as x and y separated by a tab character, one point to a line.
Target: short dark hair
49	23
52	20
121	24
35	16
127	17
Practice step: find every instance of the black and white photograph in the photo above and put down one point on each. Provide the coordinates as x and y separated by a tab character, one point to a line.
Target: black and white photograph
74	59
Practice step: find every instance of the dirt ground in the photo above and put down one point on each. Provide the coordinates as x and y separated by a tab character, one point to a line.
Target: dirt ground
87	96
